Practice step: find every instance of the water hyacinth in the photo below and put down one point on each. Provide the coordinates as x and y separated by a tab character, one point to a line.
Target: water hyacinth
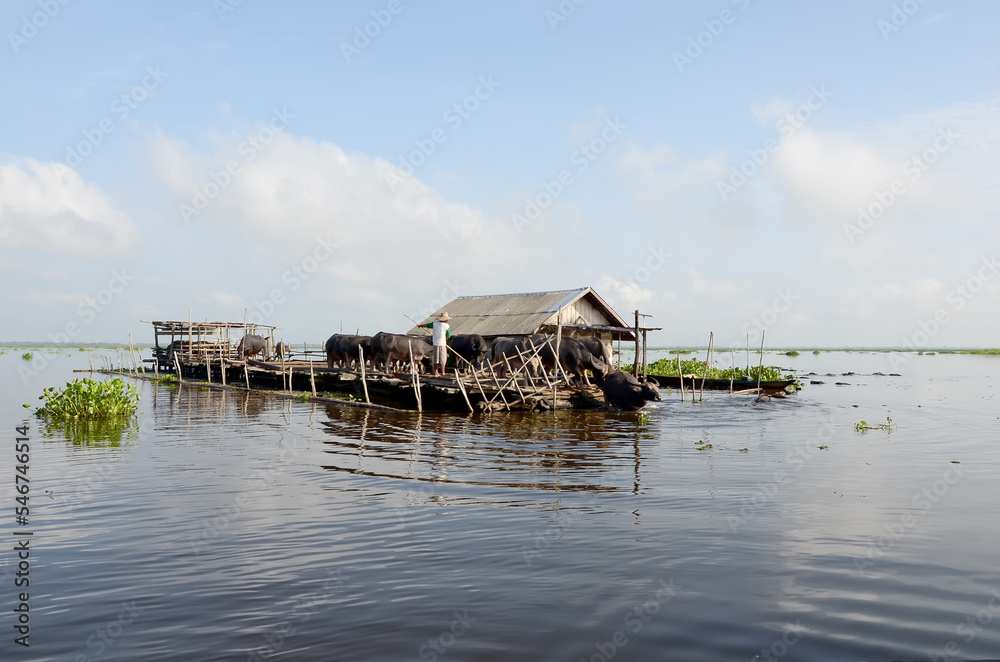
668	368
89	399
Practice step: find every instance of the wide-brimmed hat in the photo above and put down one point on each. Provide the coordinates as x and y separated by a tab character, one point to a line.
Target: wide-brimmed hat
444	317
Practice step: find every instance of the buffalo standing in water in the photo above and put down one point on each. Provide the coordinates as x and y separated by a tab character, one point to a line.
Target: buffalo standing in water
625	392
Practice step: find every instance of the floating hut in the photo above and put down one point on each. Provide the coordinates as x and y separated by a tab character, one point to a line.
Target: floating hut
206	351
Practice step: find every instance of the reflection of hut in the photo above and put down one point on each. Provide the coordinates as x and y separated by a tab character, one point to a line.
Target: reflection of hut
570	312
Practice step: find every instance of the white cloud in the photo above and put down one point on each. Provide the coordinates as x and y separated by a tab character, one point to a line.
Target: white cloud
48	207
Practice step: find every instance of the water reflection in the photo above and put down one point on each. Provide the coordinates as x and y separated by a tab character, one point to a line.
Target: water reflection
562	450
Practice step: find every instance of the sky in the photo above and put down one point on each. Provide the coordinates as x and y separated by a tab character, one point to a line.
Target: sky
824	173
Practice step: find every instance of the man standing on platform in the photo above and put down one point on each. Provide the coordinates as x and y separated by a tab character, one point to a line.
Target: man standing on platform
441	332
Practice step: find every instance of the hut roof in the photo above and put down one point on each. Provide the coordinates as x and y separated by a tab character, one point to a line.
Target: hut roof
531	312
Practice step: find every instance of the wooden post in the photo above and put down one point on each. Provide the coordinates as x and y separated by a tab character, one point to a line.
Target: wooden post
90	361
708	356
635	360
680	372
364	377
760	368
208	369
246	374
222	368
415	377
177	365
499	389
516	385
472	369
645	369
461	387
312	377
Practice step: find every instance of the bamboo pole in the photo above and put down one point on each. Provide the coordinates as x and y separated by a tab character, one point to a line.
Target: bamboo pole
461	387
499	389
472	369
516	385
222	368
90	361
635	360
177	365
681	373
414	377
312	377
364	377
246	374
290	368
760	368
208	369
708	358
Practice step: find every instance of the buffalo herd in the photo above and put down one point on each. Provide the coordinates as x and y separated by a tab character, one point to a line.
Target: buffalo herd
535	353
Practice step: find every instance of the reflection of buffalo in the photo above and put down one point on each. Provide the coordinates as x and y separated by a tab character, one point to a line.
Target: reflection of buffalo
470	346
574	357
342	349
625	392
390	347
250	345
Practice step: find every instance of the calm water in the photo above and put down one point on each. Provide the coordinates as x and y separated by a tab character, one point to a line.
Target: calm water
235	527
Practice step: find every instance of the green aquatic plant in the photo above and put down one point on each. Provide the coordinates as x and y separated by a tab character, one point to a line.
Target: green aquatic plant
27	356
864	426
642	418
816	352
791	352
668	368
89	399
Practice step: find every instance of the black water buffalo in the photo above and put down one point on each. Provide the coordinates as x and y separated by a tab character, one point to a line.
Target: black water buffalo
470	346
342	349
250	345
597	347
390	347
509	347
625	392
282	350
574	357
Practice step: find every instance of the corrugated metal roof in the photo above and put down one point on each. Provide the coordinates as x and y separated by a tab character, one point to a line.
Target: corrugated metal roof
513	314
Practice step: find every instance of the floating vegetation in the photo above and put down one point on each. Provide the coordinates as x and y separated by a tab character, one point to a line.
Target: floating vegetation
865	426
89	412
791	352
89	399
823	448
816	352
668	368
27	356
642	418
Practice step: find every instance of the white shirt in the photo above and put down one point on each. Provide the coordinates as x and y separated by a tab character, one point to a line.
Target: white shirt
440	329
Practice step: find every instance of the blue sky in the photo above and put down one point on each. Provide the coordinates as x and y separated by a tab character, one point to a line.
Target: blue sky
468	148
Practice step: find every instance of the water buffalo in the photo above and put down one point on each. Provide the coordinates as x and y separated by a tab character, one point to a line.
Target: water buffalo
597	347
625	392
508	347
342	349
470	346
250	345
282	350
574	357
391	347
